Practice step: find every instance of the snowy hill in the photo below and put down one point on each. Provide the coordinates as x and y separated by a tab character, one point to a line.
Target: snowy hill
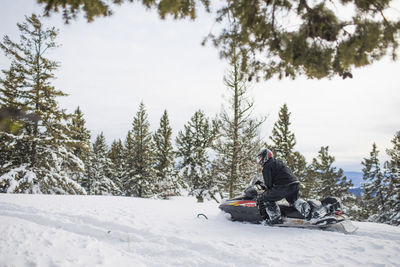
49	230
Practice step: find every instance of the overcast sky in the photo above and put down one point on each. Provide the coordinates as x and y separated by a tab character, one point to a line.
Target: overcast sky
109	66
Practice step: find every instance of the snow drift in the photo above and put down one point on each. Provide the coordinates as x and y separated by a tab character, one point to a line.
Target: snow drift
60	230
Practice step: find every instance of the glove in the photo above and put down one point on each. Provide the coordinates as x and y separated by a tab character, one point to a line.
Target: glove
261	185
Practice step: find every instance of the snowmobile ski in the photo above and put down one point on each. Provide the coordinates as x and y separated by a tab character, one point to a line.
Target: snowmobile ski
202	215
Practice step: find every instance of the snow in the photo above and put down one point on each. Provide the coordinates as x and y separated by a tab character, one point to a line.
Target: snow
66	230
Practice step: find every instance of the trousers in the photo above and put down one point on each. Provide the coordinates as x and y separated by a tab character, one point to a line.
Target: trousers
278	192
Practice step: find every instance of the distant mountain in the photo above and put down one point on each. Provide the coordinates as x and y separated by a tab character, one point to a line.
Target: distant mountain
355	177
356	191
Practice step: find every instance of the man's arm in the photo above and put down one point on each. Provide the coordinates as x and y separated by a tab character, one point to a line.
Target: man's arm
267	176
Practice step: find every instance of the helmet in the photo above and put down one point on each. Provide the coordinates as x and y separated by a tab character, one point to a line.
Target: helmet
264	155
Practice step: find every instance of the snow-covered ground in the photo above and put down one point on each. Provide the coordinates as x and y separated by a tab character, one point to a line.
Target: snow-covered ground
49	230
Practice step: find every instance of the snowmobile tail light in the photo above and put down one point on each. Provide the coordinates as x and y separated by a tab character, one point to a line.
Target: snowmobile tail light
339	212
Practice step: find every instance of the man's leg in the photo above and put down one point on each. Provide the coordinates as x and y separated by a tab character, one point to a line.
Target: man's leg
269	198
274	213
299	204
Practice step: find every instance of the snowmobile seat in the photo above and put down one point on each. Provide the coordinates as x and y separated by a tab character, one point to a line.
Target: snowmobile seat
290	211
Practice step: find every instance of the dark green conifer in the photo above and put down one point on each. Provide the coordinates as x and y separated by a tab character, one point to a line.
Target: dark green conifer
139	177
127	163
238	141
79	143
11	92
166	176
373	187
283	140
116	155
45	160
328	180
193	144
79	134
392	173
100	170
283	143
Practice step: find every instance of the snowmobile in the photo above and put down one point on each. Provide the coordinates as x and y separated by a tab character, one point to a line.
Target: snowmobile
328	214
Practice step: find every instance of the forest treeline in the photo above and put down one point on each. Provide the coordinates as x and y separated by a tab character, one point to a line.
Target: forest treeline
46	150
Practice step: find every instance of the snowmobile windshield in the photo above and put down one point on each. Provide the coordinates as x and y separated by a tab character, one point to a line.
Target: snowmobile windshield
250	192
257	181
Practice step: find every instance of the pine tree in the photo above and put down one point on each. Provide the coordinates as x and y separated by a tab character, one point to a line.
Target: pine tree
238	141
10	98
80	143
139	178
116	155
12	88
45	160
282	138
283	142
392	173
166	178
79	134
100	170
328	180
193	144
309	184
373	197
128	164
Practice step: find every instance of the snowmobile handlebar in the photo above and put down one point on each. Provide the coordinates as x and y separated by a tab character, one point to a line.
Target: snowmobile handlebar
260	185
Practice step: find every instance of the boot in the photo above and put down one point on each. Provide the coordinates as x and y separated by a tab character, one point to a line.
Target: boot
262	209
319	213
303	207
274	213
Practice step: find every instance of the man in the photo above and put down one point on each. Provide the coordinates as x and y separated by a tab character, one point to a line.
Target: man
280	183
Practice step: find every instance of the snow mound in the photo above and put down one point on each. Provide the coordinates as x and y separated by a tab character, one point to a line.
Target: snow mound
55	230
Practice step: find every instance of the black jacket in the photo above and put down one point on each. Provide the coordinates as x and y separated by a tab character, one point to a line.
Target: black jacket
275	172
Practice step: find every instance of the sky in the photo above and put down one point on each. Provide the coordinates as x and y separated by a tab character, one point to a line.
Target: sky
111	65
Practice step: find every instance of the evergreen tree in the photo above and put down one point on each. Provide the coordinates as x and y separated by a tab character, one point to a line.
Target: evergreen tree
10	98
100	170
116	155
127	163
80	142
139	177
392	171
283	142
328	180
11	90
45	160
282	138
79	134
309	184
166	178
373	197
193	144
238	142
